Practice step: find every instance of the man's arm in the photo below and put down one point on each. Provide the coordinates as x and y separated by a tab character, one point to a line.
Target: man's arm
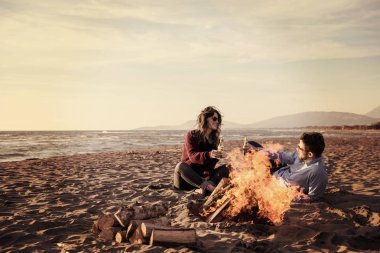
288	157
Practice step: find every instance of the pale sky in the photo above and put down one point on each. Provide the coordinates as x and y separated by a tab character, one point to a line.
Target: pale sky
118	65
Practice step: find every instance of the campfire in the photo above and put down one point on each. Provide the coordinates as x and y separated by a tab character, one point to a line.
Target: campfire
250	189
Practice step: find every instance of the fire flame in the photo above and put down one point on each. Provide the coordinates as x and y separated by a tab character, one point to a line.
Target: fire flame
253	185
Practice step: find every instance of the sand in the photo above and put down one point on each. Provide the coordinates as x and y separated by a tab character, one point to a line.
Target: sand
49	205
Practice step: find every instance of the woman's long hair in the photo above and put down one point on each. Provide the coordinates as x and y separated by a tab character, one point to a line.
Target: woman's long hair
202	125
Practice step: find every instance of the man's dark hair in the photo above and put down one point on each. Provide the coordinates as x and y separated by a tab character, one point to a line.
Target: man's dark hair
314	142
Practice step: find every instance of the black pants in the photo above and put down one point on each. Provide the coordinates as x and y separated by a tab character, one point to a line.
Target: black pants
185	178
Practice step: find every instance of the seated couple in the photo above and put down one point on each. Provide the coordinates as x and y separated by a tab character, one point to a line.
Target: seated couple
305	167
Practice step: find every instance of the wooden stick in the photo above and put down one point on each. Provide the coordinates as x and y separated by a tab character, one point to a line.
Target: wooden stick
118	218
186	237
213	217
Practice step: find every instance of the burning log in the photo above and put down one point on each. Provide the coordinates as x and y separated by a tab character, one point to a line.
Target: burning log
186	237
217	215
220	189
212	202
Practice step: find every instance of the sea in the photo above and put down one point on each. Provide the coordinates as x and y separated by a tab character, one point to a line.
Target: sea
21	145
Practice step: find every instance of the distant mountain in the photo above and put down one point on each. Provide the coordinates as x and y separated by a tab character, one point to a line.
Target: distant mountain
375	113
306	119
191	124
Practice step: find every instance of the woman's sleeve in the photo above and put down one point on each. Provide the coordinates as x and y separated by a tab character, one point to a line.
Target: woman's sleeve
192	148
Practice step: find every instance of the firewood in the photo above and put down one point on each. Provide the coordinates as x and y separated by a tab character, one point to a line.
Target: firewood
218	212
222	184
120	236
149	211
108	234
162	221
106	221
185	237
123	216
147	228
137	237
131	230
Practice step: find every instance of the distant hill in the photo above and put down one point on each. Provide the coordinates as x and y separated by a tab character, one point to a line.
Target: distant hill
306	119
191	124
375	113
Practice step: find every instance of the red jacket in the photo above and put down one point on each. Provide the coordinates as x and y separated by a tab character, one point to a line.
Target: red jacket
196	153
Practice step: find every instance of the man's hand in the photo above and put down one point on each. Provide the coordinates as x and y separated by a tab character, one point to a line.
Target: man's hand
216	154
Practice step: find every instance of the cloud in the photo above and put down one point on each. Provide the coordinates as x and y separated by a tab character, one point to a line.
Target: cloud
172	31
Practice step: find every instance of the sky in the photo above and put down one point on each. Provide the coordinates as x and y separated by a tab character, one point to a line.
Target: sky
120	64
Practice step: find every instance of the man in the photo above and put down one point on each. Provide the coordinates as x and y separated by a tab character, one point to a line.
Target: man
305	169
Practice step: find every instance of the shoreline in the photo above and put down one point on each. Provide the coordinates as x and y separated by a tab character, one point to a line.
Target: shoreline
49	204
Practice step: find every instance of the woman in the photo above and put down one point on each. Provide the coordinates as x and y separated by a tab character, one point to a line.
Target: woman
200	154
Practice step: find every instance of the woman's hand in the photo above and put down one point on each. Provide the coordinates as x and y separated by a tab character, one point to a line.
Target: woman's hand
216	154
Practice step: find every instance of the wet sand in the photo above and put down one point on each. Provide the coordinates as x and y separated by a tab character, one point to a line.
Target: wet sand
49	205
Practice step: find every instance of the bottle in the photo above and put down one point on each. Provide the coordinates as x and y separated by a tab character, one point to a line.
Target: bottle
245	146
221	145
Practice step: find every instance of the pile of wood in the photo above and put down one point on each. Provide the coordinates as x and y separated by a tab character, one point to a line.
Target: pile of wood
216	203
143	223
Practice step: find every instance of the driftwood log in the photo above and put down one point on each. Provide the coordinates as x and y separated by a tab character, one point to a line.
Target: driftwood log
168	238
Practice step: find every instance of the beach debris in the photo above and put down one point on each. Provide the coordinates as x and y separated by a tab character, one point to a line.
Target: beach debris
143	224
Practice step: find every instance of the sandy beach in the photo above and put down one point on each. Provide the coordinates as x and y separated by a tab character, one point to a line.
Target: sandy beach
49	205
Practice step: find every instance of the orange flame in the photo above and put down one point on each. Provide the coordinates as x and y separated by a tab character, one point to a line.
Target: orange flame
253	185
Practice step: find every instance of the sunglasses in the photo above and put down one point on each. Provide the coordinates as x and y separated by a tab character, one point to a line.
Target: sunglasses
216	119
